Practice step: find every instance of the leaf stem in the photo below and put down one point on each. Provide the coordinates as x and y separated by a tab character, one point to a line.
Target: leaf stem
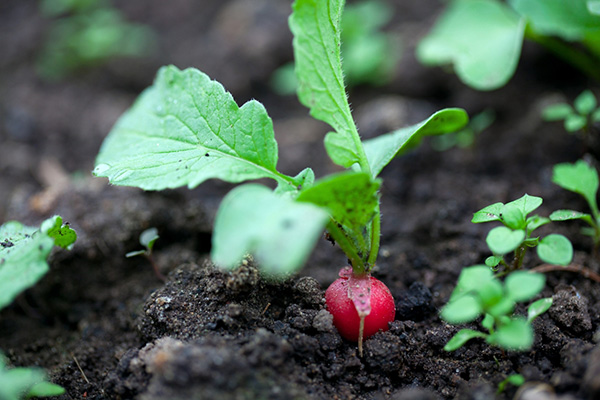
375	238
340	237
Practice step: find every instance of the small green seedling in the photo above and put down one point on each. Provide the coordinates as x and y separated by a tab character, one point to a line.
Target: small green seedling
514	379
582	179
23	254
25	383
584	113
147	239
88	33
479	293
370	54
465	137
482	39
516	236
186	129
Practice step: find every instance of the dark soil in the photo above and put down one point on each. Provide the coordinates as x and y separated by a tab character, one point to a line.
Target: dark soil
105	327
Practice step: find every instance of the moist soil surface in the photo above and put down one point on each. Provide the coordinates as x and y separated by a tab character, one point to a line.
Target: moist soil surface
106	327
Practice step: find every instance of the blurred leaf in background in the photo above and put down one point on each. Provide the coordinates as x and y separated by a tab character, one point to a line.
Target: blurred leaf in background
88	33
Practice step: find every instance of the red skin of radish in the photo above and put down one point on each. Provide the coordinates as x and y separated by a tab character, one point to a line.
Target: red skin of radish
345	316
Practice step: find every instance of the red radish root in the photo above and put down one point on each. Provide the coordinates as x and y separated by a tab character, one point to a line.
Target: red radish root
345	315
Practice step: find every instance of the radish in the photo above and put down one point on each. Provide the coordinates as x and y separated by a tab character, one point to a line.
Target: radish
361	306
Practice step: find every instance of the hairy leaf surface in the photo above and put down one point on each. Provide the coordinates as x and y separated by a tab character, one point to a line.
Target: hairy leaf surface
382	149
316	28
186	129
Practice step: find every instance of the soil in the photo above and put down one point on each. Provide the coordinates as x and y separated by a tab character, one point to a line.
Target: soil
105	327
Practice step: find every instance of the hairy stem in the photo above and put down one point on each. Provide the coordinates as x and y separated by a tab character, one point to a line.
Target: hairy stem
348	247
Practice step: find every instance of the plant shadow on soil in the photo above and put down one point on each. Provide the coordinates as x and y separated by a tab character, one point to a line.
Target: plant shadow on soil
106	328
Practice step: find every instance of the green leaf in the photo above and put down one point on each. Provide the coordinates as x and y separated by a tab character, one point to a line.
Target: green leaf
586	102
555	249
16	383
350	197
462	337
463	309
575	122
488	322
515	335
148	237
502	240
280	232
523	285
513	217
579	178
471	279
482	38
23	253
493	261
515	380
557	112
339	151
186	129
570	20
316	28
538	307
535	221
382	149
64	236
46	389
503	307
596	116
566	215
526	203
593	7
490	293
488	213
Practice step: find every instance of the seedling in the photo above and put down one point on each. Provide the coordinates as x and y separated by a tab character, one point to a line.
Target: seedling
514	379
482	39
24	383
582	179
23	254
370	54
479	293
580	117
186	129
147	239
88	33
516	234
465	137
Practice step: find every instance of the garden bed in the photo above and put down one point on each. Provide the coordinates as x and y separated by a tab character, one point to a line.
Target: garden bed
105	327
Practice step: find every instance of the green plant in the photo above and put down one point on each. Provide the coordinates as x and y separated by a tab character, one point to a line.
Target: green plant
465	137
516	234
23	253
147	239
582	179
482	39
514	379
370	55
24	383
87	33
186	129
479	293
584	113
